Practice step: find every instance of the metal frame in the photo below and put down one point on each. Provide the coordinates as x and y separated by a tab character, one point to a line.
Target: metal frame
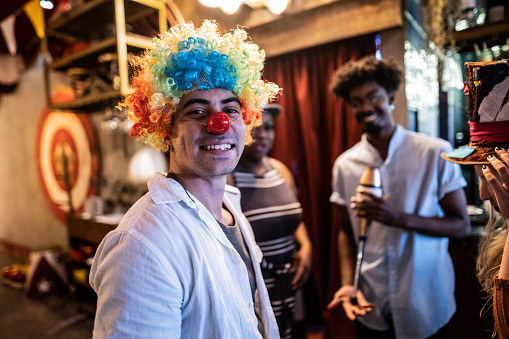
124	39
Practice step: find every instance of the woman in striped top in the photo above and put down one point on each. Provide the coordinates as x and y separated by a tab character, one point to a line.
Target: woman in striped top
270	204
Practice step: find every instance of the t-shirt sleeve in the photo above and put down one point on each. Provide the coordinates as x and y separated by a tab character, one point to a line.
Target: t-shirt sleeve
452	178
338	187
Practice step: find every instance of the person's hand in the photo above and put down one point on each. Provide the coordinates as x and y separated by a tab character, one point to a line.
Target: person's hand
302	267
374	208
499	187
343	295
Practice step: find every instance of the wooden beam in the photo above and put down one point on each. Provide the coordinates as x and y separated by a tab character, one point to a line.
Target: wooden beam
330	22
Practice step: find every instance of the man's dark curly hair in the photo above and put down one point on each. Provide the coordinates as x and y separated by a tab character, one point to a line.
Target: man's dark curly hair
352	74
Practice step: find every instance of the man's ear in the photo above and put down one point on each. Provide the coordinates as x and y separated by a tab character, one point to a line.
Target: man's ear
392	95
168	142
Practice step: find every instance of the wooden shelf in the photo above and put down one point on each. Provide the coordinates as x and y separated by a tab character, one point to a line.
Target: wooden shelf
90	103
90	233
491	33
90	20
87	230
88	57
102	24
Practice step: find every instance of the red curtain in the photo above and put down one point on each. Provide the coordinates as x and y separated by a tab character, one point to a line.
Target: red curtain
310	134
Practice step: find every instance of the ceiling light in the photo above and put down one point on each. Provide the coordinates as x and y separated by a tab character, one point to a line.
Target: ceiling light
231	6
276	6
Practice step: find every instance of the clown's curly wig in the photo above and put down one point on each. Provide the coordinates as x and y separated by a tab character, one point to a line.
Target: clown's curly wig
186	58
385	73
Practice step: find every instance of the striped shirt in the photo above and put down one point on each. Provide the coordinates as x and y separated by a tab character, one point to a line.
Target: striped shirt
274	213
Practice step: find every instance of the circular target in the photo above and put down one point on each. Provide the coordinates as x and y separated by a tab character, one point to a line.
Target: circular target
68	160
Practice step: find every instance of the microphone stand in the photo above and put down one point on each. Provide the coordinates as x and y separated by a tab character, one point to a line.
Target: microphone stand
363	223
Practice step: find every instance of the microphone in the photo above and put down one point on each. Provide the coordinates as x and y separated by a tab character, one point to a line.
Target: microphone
370	183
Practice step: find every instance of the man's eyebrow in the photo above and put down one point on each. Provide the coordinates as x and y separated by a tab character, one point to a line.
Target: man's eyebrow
196	101
206	102
232	99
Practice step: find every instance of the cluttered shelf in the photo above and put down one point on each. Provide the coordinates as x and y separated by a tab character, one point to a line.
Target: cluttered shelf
89	56
493	33
94	56
76	23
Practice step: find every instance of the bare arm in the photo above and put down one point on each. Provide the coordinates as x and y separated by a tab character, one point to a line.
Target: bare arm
500	189
302	260
346	246
454	223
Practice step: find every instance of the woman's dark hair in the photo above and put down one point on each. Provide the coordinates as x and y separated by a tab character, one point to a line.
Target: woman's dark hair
352	74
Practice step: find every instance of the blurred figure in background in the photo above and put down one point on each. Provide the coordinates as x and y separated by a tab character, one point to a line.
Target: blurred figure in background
269	201
487	87
407	271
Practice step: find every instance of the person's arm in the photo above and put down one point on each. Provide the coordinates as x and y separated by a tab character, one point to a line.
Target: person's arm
454	223
347	258
500	188
137	296
346	246
302	261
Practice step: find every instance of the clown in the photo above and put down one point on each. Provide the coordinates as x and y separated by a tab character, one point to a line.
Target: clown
183	262
186	59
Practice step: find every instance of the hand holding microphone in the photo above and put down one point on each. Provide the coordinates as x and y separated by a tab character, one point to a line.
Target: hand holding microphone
370	183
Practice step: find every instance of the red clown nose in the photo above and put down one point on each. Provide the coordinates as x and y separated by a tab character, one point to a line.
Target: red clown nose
218	123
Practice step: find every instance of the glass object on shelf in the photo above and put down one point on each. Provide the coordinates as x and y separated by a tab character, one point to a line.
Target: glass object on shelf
473	13
485	55
504	51
452	77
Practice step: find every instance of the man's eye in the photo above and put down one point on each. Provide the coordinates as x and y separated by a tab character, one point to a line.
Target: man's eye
232	112
356	103
197	113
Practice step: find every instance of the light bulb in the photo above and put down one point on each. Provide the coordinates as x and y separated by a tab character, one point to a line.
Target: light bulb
276	7
211	3
46	4
230	6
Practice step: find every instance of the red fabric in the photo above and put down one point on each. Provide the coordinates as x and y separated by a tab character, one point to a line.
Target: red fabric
496	131
313	130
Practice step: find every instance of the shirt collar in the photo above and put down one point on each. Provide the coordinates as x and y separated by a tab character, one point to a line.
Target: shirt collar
165	190
396	140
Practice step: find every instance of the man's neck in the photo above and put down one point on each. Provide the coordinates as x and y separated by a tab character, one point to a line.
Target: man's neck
209	191
382	140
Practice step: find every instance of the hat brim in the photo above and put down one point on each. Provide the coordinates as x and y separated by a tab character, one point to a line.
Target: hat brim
482	149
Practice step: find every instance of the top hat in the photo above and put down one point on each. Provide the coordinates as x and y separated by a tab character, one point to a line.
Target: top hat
487	89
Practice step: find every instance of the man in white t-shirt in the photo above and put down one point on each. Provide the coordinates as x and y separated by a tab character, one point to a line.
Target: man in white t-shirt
407	278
